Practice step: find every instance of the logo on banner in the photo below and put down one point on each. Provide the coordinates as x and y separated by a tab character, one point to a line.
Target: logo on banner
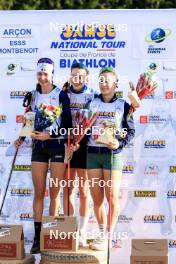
171	194
18	40
170	95
124	219
4	143
151	169
91	40
153	66
154	219
21	167
157	144
144	194
17	32
21	192
17	94
3	118
172	169
25	217
128	168
172	243
11	69
143	119
157	36
152	119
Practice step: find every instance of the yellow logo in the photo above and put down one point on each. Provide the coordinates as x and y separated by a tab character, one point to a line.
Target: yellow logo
89	32
22	167
144	193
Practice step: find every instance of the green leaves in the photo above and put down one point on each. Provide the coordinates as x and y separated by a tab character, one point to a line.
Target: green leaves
83	4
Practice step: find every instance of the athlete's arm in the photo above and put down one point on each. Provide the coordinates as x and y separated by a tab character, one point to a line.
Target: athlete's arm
26	103
127	126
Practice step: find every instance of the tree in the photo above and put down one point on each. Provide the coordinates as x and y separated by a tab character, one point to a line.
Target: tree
83	4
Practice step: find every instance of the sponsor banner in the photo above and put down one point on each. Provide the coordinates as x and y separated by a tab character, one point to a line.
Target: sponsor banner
131	42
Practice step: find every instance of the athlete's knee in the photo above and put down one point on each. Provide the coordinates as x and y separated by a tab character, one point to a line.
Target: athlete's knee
98	201
39	195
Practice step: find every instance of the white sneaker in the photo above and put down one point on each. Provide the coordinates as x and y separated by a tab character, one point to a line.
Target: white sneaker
82	240
99	244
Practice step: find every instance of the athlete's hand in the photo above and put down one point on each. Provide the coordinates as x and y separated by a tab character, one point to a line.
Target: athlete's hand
113	145
74	147
40	135
18	142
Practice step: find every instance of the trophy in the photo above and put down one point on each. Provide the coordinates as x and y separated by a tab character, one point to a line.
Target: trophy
28	127
133	96
109	131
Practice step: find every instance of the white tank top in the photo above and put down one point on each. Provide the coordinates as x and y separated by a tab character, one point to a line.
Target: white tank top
110	112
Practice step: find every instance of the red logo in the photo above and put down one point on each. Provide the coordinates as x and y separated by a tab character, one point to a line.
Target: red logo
19	118
143	119
169	95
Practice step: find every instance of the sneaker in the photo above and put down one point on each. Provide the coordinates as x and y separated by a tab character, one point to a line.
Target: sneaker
36	246
99	244
82	240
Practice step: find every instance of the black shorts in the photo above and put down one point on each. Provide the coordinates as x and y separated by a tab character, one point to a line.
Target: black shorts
43	152
79	157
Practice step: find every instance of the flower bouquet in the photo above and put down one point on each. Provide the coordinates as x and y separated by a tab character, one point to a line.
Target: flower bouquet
146	85
84	120
46	115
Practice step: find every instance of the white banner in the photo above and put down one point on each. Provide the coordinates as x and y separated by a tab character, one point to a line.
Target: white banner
130	41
